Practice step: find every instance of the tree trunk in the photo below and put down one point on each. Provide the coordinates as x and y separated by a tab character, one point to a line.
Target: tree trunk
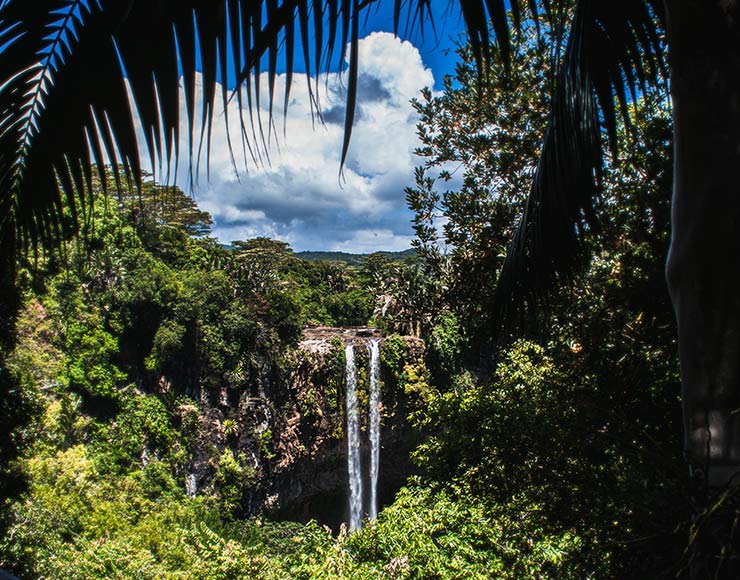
704	260
703	268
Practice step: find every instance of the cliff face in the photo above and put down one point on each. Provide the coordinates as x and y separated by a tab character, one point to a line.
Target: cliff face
288	436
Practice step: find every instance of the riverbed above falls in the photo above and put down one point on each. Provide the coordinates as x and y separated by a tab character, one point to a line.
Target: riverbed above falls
320	338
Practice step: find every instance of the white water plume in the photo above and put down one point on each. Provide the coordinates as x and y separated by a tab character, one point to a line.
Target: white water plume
374	426
353	443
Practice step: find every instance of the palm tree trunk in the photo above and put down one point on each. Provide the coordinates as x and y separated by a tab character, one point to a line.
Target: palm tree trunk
703	269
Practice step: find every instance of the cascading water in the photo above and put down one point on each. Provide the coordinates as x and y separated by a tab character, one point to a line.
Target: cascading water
374	426
191	486
353	443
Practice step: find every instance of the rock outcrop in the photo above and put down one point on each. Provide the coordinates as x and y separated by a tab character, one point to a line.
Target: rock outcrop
289	433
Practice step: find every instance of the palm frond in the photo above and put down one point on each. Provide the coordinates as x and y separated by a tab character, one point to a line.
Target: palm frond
67	68
613	50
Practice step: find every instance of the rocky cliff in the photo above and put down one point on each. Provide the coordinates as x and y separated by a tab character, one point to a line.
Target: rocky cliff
281	448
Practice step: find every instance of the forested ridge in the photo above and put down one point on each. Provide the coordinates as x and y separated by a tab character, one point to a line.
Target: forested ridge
553	452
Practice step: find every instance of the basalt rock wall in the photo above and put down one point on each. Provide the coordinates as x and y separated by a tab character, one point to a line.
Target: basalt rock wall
284	443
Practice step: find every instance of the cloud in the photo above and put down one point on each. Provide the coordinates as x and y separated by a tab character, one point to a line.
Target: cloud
298	197
368	241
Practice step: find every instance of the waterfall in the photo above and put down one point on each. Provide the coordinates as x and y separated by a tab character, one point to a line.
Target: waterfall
191	486
353	443
374	426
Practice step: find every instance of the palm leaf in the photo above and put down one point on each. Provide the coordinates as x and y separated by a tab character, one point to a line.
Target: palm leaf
613	51
68	66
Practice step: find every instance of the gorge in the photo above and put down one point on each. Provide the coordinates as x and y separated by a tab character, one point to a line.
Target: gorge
328	466
310	434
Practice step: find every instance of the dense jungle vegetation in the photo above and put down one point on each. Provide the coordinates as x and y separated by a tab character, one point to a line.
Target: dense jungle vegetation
552	451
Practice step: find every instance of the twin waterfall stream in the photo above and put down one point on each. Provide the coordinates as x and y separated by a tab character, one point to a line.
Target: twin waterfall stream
353	436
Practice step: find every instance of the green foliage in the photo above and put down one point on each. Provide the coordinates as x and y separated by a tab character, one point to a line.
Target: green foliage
331	293
285	316
164	218
351	308
490	130
78	524
415	383
393	354
142	425
528	393
167	343
90	368
230	428
582	420
232	476
406	294
265	443
60	424
334	366
425	534
355	259
257	264
445	347
547	431
446	535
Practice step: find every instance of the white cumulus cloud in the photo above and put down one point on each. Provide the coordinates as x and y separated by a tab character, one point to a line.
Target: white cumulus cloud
298	197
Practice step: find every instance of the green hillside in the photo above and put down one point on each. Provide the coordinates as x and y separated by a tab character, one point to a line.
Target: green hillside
354	259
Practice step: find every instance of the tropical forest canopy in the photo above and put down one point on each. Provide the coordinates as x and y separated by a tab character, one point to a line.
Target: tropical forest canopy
552	450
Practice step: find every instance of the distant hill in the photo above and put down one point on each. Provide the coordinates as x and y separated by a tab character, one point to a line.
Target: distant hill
346	257
354	259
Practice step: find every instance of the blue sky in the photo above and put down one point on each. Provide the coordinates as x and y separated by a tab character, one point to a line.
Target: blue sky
437	51
298	198
435	43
